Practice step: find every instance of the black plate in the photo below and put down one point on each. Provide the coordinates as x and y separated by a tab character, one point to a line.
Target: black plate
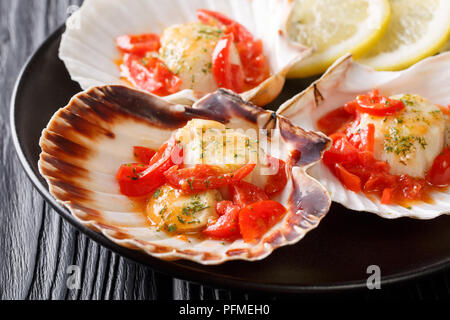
333	257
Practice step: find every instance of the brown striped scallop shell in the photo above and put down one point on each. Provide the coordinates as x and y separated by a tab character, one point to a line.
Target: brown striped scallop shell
86	142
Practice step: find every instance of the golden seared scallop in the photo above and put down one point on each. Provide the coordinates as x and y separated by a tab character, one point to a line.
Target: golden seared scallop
187	51
411	139
211	142
171	210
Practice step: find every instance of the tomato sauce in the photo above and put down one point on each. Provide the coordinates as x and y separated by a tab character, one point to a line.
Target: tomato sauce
352	161
248	215
141	67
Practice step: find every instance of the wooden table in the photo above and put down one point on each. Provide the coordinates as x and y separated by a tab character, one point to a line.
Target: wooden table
37	245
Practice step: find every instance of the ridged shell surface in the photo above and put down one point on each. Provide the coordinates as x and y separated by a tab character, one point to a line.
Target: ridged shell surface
88	140
345	80
89	52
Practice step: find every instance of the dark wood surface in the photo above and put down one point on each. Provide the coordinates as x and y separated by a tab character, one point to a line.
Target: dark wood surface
37	245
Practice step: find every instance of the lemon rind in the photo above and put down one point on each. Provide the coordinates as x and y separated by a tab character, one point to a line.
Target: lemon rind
321	65
424	52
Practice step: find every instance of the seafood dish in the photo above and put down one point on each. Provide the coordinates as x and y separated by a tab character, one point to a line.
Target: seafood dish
170	150
203	56
390	132
182	52
148	175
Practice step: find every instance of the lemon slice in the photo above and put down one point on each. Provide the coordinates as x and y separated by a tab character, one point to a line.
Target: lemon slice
446	47
334	28
418	28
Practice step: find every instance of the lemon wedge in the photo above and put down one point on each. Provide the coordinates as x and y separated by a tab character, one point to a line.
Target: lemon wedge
446	47
334	28
418	28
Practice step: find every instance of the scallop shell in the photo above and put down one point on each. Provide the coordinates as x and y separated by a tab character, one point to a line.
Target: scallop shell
86	142
341	83
89	52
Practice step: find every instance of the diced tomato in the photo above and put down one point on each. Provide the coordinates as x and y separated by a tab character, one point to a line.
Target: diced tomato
244	193
355	140
226	74
342	151
204	177
138	44
237	78
227	225
143	155
170	153
254	63
240	33
361	138
386	196
366	159
210	17
256	219
128	179
364	173
255	67
367	138
223	206
276	182
140	180
350	107
150	74
411	188
445	110
351	157
439	174
334	120
349	180
379	182
375	104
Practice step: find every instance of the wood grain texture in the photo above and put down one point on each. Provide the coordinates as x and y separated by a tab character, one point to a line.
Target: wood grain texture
37	246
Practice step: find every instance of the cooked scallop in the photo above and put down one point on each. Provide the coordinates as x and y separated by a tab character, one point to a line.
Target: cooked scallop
171	210
210	142
411	139
187	50
87	141
90	55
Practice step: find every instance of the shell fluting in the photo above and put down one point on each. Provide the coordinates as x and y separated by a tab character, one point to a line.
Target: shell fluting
343	81
86	142
89	52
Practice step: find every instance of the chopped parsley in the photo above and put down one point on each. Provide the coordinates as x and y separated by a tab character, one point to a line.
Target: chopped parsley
407	100
437	114
162	211
181	220
401	144
194	207
172	228
189	181
209	32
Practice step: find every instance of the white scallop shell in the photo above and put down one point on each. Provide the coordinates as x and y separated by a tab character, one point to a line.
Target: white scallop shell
86	142
88	44
343	81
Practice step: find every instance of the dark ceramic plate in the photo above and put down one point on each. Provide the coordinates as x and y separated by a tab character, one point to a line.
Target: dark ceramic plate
333	257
